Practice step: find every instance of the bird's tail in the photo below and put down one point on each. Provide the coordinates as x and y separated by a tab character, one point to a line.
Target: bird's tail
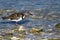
4	18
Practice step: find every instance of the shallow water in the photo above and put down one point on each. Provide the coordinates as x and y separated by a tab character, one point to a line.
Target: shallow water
46	11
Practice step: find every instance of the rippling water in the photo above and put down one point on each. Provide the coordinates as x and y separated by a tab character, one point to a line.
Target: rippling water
47	12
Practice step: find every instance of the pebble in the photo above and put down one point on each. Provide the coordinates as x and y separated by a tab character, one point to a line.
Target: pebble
21	28
14	38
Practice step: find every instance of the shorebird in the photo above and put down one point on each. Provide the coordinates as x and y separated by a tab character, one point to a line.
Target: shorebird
17	16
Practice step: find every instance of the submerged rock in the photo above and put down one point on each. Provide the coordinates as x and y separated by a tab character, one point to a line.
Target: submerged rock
57	25
21	28
1	37
21	36
49	30
35	30
54	39
7	34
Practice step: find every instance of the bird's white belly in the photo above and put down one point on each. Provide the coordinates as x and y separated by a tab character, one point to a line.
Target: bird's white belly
19	19
16	19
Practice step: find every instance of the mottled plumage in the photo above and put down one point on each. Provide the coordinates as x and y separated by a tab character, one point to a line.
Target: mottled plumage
17	16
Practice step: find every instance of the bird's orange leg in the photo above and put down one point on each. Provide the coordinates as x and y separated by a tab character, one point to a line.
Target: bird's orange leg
16	24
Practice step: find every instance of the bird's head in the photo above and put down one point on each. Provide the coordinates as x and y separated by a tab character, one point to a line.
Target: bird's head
27	13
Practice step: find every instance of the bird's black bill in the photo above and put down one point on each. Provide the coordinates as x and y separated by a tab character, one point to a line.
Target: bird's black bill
31	14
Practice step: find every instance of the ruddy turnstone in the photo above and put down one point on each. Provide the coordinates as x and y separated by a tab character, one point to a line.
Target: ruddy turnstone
17	16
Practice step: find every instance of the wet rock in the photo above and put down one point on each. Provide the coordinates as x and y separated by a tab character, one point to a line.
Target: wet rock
57	25
25	39
21	28
14	38
45	39
36	30
7	33
54	39
21	36
1	37
49	30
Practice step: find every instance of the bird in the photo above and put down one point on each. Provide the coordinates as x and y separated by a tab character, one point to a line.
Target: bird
17	16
